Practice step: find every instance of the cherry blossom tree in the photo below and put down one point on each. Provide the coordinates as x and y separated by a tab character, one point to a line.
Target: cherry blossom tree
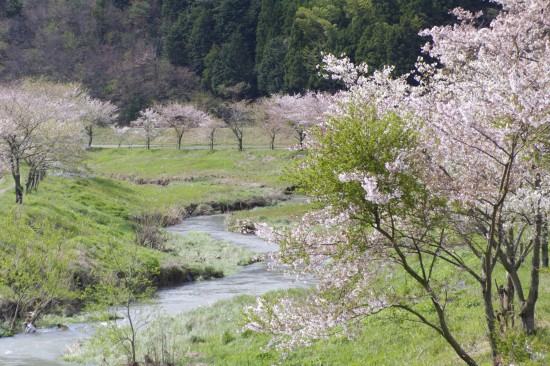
379	223
236	116
181	118
148	122
98	114
299	112
38	124
120	133
416	179
209	125
273	123
489	107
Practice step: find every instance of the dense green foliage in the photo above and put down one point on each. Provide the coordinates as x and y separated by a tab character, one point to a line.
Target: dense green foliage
138	52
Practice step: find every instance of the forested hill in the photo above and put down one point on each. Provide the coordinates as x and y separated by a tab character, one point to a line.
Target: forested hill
136	51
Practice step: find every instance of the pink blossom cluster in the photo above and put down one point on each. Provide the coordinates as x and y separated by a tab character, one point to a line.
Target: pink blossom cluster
298	112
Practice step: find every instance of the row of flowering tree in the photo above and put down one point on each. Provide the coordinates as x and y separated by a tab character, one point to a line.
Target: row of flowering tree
414	180
40	125
278	115
181	118
292	114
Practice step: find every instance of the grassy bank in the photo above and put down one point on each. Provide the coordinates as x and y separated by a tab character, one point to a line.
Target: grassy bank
100	215
279	215
227	168
214	336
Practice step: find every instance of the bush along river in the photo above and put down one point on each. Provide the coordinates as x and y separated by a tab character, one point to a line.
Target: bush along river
46	346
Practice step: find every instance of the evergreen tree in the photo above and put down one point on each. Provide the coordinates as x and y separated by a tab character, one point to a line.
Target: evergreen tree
201	37
10	8
175	44
172	9
307	39
271	69
270	23
233	68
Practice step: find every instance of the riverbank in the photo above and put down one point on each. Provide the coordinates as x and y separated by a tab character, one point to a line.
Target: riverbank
98	216
251	279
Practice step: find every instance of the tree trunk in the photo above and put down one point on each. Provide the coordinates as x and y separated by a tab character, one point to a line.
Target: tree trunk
272	143
18	188
301	138
240	139
148	143
15	314
544	244
450	339
506	292
28	183
180	137
212	139
90	133
527	313
488	305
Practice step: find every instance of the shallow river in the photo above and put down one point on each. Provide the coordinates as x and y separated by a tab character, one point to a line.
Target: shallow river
44	347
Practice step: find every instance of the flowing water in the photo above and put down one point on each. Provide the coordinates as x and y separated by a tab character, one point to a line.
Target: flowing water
44	347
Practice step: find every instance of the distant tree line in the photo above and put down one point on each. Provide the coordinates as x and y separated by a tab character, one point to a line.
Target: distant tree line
138	52
261	47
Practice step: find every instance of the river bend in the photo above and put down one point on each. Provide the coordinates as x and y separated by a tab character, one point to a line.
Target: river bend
45	347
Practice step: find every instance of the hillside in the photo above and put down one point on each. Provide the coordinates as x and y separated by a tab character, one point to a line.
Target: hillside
137	52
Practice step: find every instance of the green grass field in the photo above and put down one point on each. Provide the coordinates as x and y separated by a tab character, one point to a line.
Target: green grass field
218	167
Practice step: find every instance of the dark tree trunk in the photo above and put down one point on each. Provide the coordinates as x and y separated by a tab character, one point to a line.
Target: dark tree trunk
90	132
506	292
240	139
450	339
505	315
211	137
18	188
15	315
486	291
30	179
490	318
272	145
180	137
527	313
544	244
301	138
